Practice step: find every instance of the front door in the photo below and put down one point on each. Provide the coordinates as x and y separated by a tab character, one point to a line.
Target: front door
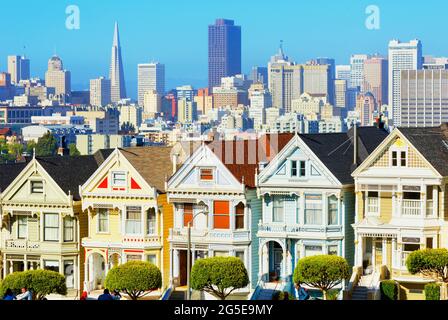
182	268
278	258
378	253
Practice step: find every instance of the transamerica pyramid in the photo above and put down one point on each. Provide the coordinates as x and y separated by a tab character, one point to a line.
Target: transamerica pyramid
116	74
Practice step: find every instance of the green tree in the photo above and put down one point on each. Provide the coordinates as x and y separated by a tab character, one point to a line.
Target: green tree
322	272
431	263
30	147
74	152
47	145
40	282
135	278
15	150
219	276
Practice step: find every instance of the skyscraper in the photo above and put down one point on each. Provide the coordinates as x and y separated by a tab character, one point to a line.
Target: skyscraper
402	56
259	74
317	80
224	51
99	92
357	70
18	68
375	78
343	73
116	75
58	78
151	77
424	98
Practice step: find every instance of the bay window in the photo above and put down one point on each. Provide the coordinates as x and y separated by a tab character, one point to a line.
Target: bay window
69	229
313	209
22	222
188	214
278	212
239	216
221	215
103	220
151	222
332	210
133	223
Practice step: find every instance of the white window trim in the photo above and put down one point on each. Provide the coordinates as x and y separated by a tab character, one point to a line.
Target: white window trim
120	172
98	222
370	214
206	181
399	150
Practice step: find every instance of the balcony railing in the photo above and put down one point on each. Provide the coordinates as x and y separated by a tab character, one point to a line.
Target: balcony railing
210	235
411	208
282	228
22	244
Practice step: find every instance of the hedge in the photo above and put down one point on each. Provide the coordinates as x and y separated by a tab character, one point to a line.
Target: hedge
389	290
432	291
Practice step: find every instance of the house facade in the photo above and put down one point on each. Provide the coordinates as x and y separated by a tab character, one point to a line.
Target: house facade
214	191
401	192
125	204
41	220
308	200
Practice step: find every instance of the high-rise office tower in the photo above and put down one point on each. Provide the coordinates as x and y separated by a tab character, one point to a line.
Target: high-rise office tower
357	70
375	78
343	72
424	97
366	107
186	92
151	77
340	93
317	80
224	51
116	75
100	92
331	62
259	74
402	56
18	68
58	78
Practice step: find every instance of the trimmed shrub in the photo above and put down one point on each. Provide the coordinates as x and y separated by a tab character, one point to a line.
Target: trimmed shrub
322	272
429	262
389	290
432	291
219	276
333	294
135	278
40	282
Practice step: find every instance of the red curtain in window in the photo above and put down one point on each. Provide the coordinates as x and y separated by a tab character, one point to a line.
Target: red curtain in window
188	214
221	215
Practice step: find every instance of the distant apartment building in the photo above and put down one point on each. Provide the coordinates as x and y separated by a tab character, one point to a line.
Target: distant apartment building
343	72
317	80
100	92
424	98
186	111
376	78
309	104
88	144
185	92
100	121
152	104
285	84
402	56
366	108
259	75
58	119
131	114
340	89
204	100
151	77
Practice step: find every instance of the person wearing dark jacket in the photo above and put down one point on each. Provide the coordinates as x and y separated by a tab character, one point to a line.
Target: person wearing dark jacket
106	295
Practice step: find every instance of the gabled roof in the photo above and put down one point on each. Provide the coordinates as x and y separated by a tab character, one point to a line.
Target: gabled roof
68	172
335	150
432	143
242	157
153	163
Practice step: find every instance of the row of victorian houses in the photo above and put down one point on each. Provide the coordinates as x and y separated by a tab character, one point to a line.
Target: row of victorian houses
366	195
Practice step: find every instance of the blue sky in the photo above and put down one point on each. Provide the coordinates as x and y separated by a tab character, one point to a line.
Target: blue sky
175	32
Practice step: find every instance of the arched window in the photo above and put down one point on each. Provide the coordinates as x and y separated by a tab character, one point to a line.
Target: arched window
239	216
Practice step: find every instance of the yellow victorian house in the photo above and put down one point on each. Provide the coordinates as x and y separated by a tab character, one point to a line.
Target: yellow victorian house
41	220
125	203
401	206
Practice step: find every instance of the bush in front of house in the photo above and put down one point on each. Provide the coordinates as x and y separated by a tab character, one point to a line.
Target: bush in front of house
431	263
219	276
389	290
432	291
135	278
40	282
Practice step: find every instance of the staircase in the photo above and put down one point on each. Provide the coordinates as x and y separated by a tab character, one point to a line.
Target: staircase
178	295
360	292
266	291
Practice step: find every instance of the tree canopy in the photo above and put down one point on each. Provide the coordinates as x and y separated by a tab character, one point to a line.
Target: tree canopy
322	272
47	145
432	263
219	276
74	152
40	282
135	278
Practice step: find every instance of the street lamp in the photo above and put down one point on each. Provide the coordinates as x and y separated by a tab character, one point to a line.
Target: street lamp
189	251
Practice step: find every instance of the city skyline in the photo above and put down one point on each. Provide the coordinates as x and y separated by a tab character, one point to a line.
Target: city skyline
191	67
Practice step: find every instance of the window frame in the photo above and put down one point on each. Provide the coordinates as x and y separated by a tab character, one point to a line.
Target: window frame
223	216
151	212
315	202
211	175
329	204
188	218
99	221
19	224
113	179
239	216
278	200
138	222
32	187
53	228
72	227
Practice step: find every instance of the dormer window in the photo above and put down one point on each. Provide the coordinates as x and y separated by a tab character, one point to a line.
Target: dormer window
298	168
206	174
37	187
399	158
119	179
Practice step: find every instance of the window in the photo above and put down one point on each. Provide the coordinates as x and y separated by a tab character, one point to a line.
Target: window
332	210
240	255
151	258
133	257
119	179
151	222
294	168
69	229
188	214
206	174
51	227
313	209
133	220
394	159
372	202
221	215
333	250
429	243
399	158
69	273
103	220
403	158
37	187
278	205
311	250
22	227
239	216
51	265
302	169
